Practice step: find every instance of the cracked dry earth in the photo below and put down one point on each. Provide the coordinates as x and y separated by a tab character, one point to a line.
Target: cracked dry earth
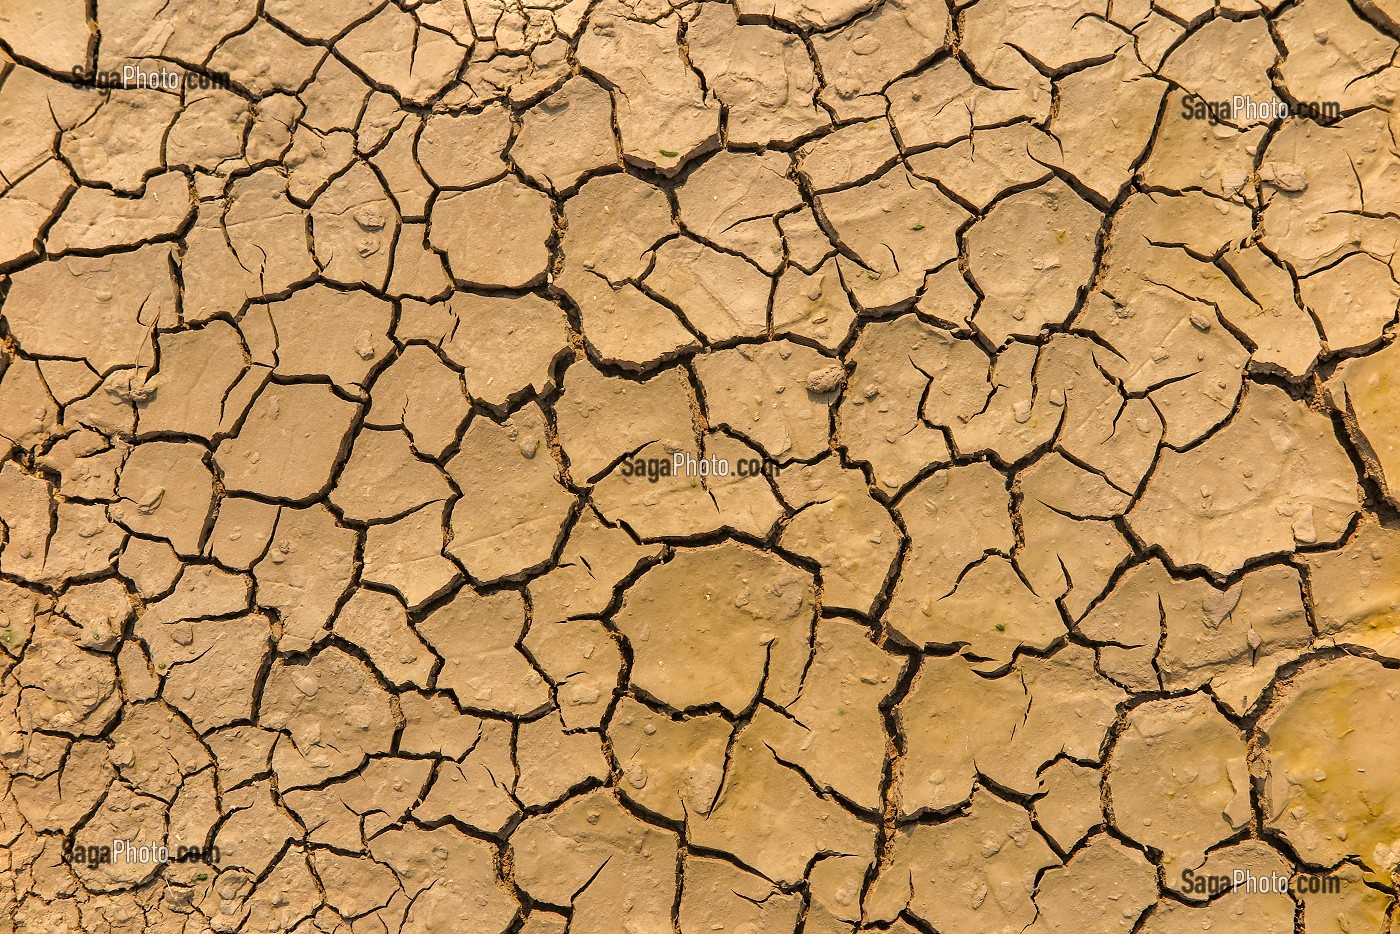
355	535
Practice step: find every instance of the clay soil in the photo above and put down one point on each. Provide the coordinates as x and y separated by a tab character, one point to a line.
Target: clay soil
689	466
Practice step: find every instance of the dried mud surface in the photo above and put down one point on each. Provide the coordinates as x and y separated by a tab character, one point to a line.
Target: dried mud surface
341	540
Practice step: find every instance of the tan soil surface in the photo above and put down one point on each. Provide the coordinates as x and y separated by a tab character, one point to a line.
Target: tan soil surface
693	466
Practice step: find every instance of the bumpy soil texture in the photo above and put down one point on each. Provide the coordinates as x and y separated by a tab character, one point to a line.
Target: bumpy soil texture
673	466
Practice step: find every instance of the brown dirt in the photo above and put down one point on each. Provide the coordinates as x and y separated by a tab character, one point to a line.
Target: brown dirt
680	466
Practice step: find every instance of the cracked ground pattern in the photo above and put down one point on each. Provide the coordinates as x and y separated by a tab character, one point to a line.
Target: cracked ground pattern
1045	562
